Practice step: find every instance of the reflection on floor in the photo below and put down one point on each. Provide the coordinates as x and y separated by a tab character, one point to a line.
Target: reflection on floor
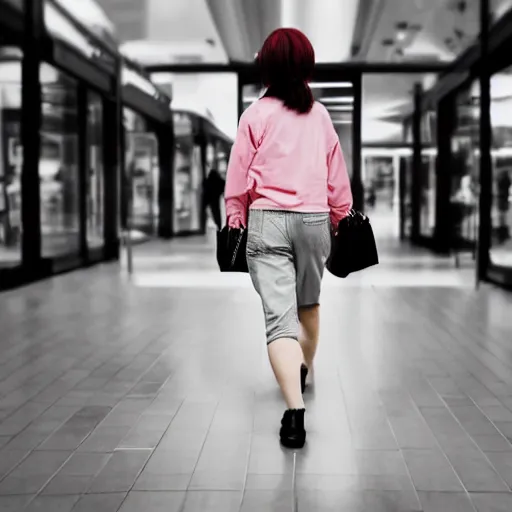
190	263
501	254
119	397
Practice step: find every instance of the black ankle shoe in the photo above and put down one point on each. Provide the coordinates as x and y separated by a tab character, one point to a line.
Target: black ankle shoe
303	374
293	433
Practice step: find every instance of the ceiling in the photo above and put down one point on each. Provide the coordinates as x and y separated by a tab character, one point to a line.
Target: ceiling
163	31
405	30
340	30
219	31
192	31
244	24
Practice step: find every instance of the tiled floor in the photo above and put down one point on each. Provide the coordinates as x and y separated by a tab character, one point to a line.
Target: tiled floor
155	394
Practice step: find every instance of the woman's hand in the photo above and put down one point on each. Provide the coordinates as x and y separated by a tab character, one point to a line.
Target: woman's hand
235	222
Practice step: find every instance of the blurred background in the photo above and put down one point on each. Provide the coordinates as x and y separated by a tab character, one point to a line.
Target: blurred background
113	113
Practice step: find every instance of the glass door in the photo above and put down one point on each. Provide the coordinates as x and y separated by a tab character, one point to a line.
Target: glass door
95	177
58	167
501	151
464	170
188	177
11	158
142	175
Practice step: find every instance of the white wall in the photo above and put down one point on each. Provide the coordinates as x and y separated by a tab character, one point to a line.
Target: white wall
216	92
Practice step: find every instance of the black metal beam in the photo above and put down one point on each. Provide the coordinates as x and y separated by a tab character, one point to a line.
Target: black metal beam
485	224
165	137
357	182
443	221
113	157
73	62
416	165
146	105
249	69
31	120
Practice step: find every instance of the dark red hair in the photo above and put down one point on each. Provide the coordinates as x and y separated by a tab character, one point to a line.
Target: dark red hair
287	62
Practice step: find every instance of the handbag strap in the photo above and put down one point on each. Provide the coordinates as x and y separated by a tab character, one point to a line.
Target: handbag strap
235	252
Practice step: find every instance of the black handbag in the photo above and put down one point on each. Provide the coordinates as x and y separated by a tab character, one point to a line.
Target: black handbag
231	250
353	247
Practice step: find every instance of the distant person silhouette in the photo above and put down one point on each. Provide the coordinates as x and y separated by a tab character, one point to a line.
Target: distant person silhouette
213	191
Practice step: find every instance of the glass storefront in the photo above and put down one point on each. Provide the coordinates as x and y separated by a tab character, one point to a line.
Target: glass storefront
70	161
428	173
465	168
11	158
95	177
405	184
59	164
380	183
501	122
143	172
188	176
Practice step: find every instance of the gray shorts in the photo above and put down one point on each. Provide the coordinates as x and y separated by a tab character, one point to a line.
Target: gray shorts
286	255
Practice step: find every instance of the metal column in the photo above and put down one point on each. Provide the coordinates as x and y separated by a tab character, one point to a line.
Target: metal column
357	182
31	119
484	231
416	177
444	223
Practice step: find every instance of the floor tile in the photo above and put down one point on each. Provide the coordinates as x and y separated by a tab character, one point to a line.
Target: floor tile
120	473
14	503
445	502
271	501
113	395
153	501
432	471
492	502
52	503
99	502
216	501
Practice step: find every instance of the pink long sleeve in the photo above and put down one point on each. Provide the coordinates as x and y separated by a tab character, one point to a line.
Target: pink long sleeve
282	160
339	190
236	193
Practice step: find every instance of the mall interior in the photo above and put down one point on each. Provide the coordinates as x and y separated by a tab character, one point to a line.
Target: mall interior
134	375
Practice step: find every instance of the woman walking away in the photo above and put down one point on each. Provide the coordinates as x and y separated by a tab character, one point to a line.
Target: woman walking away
287	166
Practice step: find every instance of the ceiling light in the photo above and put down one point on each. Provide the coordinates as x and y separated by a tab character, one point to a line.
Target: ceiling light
401	35
338	99
343	108
330	85
342	121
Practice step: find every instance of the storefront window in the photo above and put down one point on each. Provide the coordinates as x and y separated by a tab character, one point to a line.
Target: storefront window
11	160
223	151
58	166
428	173
188	176
379	182
405	172
143	172
95	171
501	122
464	190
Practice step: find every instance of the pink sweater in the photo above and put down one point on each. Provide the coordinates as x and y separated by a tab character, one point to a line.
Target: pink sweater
285	161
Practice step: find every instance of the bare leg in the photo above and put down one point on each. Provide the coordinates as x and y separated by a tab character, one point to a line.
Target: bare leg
310	321
286	357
